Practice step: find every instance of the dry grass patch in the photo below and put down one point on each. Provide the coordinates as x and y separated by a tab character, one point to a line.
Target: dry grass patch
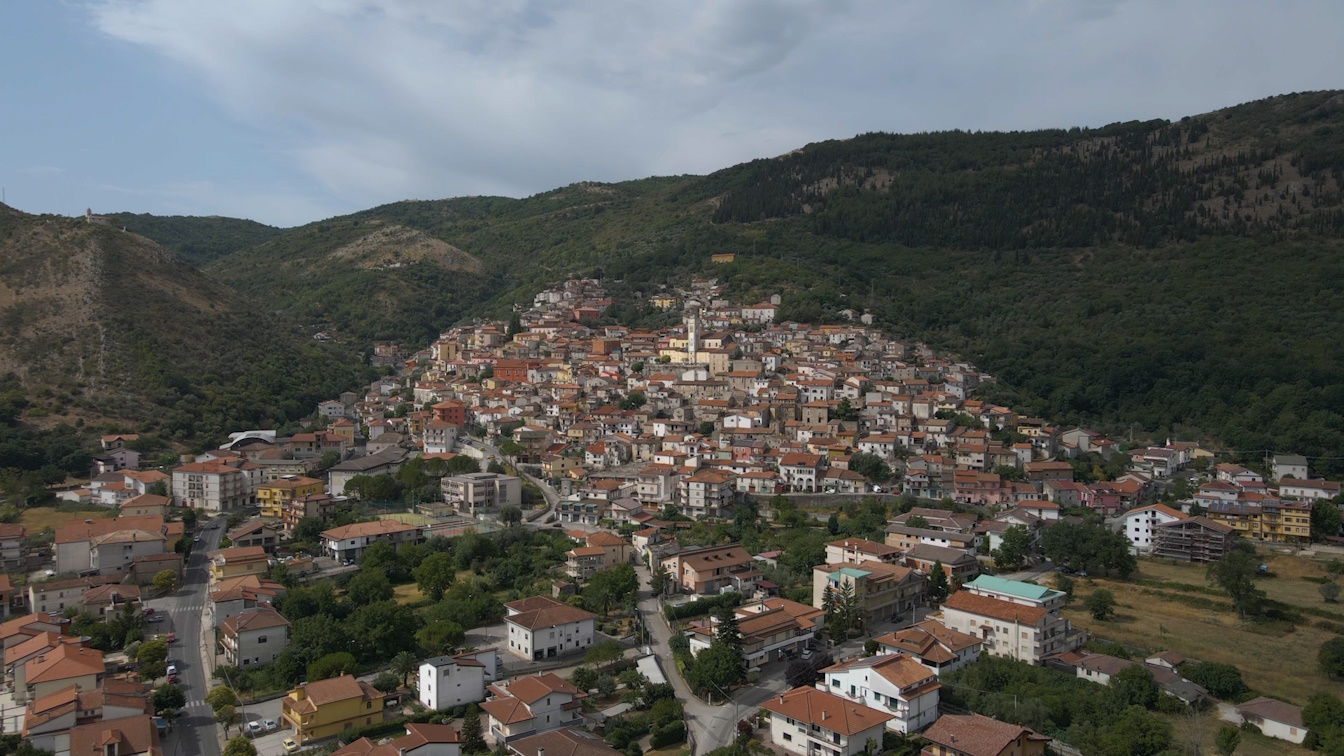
407	594
1203	729
1288	585
37	518
1275	659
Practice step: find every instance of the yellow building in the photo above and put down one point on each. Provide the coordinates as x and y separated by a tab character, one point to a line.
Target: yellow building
237	562
272	496
1270	520
325	708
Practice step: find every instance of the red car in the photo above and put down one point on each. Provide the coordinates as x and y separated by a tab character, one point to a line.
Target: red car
172	637
149	611
172	679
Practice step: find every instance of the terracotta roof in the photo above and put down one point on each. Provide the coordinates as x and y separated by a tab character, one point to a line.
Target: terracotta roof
530	689
986	606
63	662
866	546
341	688
565	741
826	710
1275	711
130	735
557	613
258	619
976	735
930	640
360	529
507	710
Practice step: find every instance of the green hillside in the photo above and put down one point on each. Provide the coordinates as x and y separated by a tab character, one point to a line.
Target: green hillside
1181	276
106	328
198	240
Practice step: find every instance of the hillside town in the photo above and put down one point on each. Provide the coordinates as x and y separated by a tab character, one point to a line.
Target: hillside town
552	534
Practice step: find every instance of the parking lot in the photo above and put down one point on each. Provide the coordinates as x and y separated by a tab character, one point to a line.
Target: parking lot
267	743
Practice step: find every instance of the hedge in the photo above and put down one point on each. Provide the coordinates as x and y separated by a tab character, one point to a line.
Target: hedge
701	606
375	731
672	732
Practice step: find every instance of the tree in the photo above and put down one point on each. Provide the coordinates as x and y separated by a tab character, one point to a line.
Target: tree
1325	519
153	651
168	698
1227	740
606	685
220	697
1134	686
225	715
583	677
871	647
917	521
1220	680
1331	657
1235	574
729	635
240	746
1135	733
472	740
1064	584
370	586
610	587
706	428
605	652
405	664
435	575
165	581
510	515
1329	592
1089	546
386	682
870	466
715	669
938	586
659	579
1013	548
440	635
1324	716
633	401
1100	604
331	665
833	524
845	411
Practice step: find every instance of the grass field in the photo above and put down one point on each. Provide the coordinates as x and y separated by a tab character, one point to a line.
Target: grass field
37	518
1203	729
1275	658
407	594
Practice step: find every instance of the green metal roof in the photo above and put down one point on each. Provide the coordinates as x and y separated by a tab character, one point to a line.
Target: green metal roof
1014	588
850	571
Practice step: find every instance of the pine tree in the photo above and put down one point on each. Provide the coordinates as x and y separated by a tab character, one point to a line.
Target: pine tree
730	635
849	608
938	583
472	740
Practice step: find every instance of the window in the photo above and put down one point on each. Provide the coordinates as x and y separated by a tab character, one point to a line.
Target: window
261	639
788	737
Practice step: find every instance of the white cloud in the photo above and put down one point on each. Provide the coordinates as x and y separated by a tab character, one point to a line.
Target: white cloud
380	101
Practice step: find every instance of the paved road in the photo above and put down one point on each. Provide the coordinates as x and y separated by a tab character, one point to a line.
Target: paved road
195	732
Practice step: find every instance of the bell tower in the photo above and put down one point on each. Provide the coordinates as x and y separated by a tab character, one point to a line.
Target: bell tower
692	330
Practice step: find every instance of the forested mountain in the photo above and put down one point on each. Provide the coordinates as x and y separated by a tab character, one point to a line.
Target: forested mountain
1165	277
97	323
198	240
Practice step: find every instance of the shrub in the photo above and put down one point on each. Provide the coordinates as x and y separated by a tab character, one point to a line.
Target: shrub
672	732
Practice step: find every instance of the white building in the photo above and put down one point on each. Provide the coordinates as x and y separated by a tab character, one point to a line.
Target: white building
896	683
1141	525
254	638
1275	719
216	485
543	628
483	490
440	437
812	722
530	705
1310	489
348	542
448	681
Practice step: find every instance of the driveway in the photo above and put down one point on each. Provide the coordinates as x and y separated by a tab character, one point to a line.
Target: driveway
270	743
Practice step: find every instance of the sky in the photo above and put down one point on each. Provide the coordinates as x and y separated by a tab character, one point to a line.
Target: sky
290	111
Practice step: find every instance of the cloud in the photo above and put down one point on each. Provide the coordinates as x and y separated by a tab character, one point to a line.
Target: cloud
377	101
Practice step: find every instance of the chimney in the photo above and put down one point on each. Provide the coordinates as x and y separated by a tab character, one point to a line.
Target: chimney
541	752
823	716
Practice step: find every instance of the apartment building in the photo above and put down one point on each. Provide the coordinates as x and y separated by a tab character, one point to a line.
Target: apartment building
532	705
770	629
1193	539
272	496
860	550
475	492
937	647
449	681
1015	630
254	638
811	722
347	543
216	485
713	569
320	709
706	493
543	628
1272	520
883	591
896	683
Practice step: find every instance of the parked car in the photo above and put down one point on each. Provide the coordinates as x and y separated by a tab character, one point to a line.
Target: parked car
154	618
49	573
254	728
172	679
290	745
172	669
172	637
807	653
268	725
149	610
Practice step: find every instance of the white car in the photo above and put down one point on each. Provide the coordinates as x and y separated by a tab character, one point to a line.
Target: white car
268	725
254	727
172	669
